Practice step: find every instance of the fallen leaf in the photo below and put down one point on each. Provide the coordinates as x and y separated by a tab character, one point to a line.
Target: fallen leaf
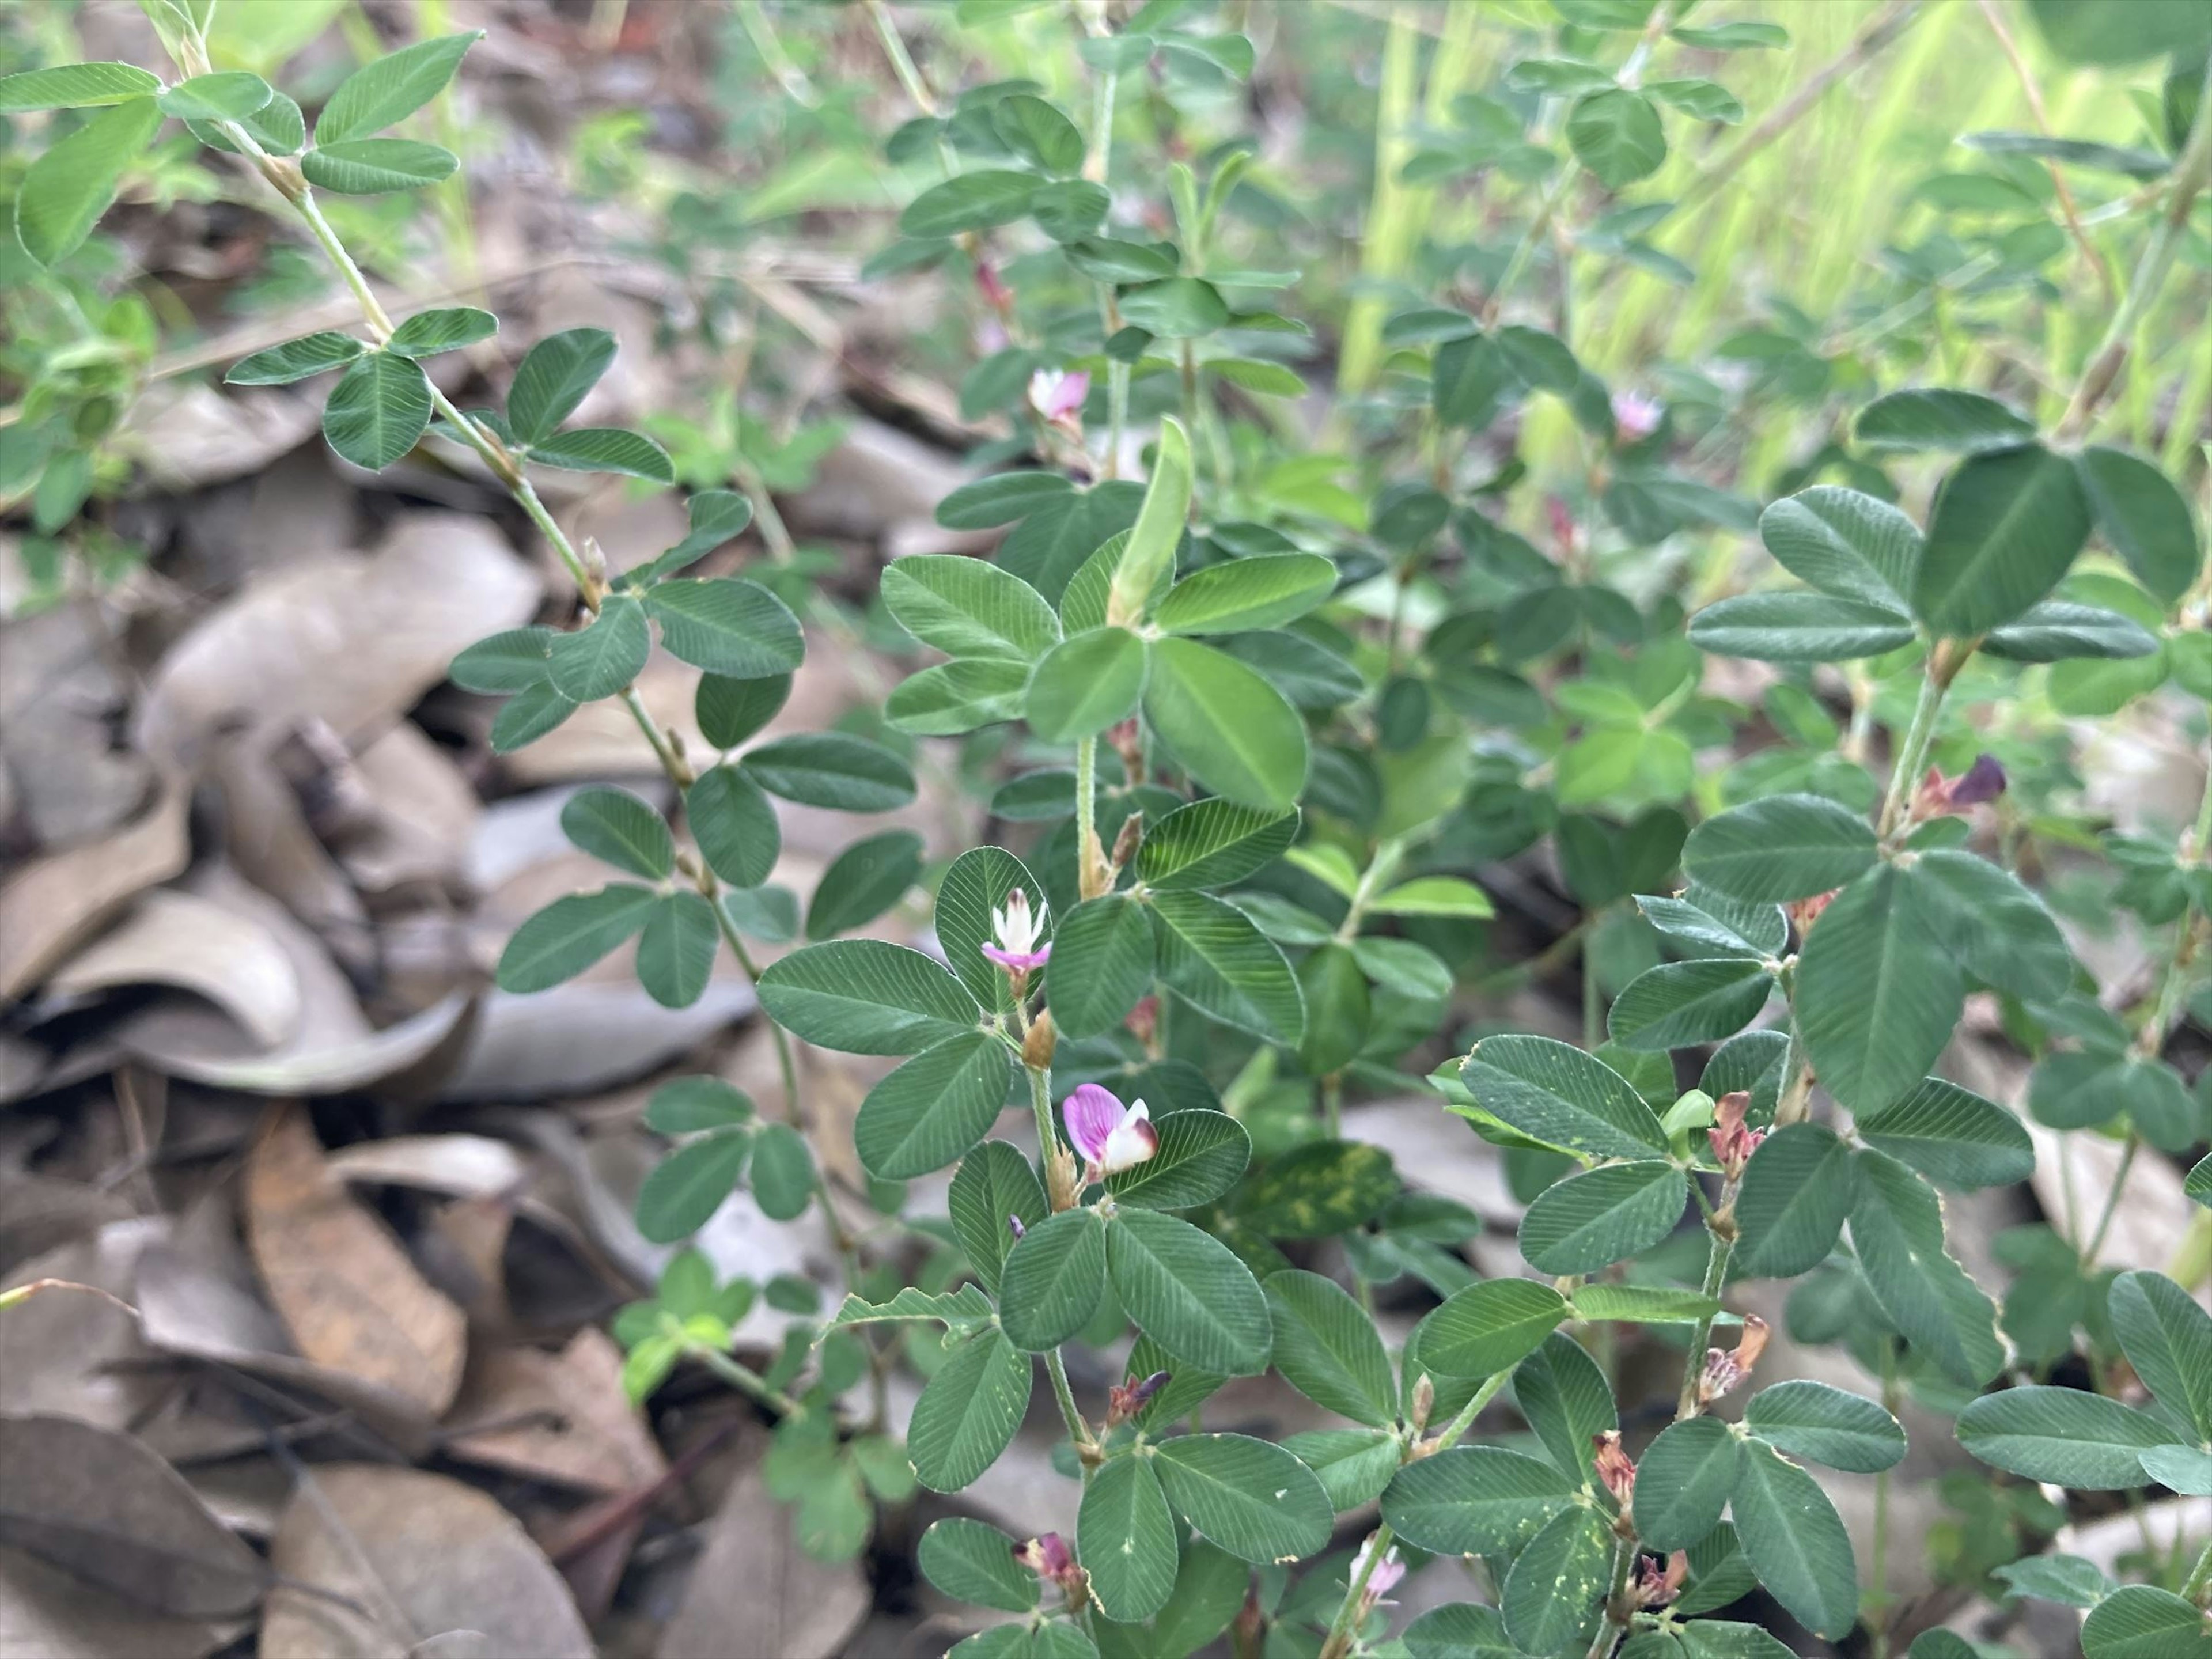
340	1282
267	838
38	1213
753	1577
52	904
59	690
101	1505
426	812
44	1613
63	1351
353	640
179	938
429	1558
188	433
564	1416
581	1036
457	1165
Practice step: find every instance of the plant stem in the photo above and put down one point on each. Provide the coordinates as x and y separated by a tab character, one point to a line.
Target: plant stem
1449	1435
2200	1577
2112	1200
1615	1624
746	1381
1943	665
1079	1430
1340	1630
2067	208
1721	1231
903	64
2190	169
1090	857
1880	1620
1332	1105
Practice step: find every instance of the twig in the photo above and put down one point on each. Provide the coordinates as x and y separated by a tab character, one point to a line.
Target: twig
2067	209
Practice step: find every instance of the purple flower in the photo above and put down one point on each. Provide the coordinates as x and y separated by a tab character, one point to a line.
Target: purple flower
1984	780
1108	1134
1636	416
1059	396
1016	929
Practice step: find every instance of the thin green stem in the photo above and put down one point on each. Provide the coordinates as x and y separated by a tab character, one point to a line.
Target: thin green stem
1449	1435
746	1380
1332	1104
1090	857
1079	1430
2112	1200
1721	1231
1340	1630
1944	662
2200	1577
903	64
1615	1624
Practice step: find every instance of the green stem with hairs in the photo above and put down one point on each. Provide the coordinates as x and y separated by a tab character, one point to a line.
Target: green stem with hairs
1087	1445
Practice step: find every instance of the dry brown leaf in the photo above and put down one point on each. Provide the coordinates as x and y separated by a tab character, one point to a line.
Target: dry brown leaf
428	1556
426	812
565	1417
173	938
457	1165
38	1213
187	434
353	640
105	1507
65	1351
44	1613
580	1038
51	904
348	1293
753	1577
266	837
58	689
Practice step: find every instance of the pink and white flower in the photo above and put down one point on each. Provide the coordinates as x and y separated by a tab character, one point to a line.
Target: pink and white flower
1015	930
1058	396
1637	416
1109	1135
1382	1581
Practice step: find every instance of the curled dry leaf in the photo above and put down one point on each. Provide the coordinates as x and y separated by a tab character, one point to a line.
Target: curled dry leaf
427	1559
46	1614
267	838
103	1507
180	939
51	904
342	1286
753	1577
350	638
58	688
563	1416
188	434
66	1351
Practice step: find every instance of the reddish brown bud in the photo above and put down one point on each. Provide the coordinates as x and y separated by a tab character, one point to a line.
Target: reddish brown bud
1733	1143
1125	1400
1614	1468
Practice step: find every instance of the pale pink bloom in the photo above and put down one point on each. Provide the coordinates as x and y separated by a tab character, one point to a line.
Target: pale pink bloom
1636	415
993	287
1058	396
1108	1135
1380	1583
1016	928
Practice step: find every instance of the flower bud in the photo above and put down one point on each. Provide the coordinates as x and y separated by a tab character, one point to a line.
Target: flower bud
1039	1041
1733	1143
1125	1400
1615	1468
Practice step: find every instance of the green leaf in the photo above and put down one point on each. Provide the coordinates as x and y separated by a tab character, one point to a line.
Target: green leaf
1261	591
1148	557
1876	995
294	360
829	768
1176	307
1327	1349
864	881
1040	132
1201	1155
783	1172
1897	1227
1617	135
1796	1542
1354	1465
972	201
2064	1436
527	716
728	627
967	1414
972	1561
1489	1328
1678	1004
1791	627
1210	1590
1780	848
601	658
513	661
1102	963
1086	684
1644	1304
1705	924
1338	1006
1254	1500
2186	1469
1212	844
1813	1421
75	86
676	951
729	710
1552	1597
691	1105
978	884
429	332
1797	1192
278	126
1318	1190
570	934
1995	928
865	996
2006	527
958	696
2119	31
1451	897
994	1182
1938	417
1476	1500
376	166
1683	1482
734	825
1953	1137
1002	498
1846	543
930	1111
1707	100
392	87
1586	1223
2145	517
966	607
378	411
66	190
2053	630
227	96
1188	1292
1567	1401
1126	1538
2066	1579
2167	1338
605	449
687	1187
1213	955
1459	1630
2142	1621
554	377
1556	1093
1053	1279
617	827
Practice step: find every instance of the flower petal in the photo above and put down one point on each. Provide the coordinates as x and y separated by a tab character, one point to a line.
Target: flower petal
1132	1142
1091	1115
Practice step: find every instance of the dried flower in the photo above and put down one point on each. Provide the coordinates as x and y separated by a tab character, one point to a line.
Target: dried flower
1108	1134
1614	1468
1724	1371
1016	930
1658	1584
1125	1400
1733	1145
1144	1022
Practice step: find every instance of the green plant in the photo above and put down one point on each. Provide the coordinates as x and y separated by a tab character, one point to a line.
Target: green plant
1274	708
